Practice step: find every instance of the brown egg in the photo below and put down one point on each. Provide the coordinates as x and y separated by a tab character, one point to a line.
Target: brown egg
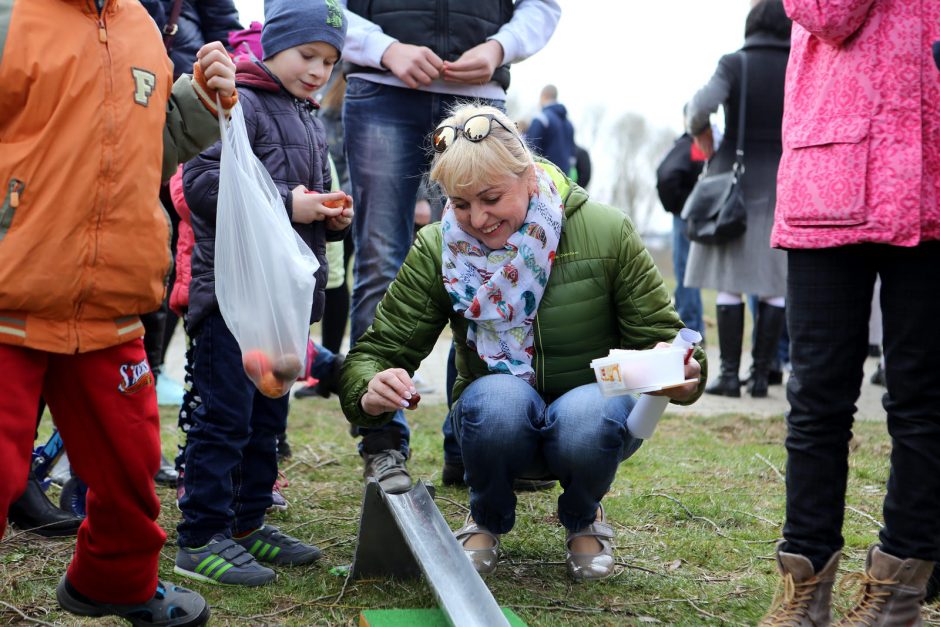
288	367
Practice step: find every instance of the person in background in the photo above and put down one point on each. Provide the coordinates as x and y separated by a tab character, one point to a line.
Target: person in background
325	365
34	512
245	44
780	360
551	134
535	281
675	177
199	21
329	357
336	314
405	73
582	166
747	264
70	329
858	197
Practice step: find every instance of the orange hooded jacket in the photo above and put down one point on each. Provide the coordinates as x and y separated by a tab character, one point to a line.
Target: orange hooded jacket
90	123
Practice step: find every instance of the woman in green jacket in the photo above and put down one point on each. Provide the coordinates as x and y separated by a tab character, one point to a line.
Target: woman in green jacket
535	281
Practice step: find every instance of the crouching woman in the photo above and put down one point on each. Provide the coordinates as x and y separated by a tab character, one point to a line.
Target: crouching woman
535	281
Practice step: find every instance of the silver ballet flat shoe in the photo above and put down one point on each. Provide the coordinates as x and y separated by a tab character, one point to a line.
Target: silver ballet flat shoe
484	560
590	566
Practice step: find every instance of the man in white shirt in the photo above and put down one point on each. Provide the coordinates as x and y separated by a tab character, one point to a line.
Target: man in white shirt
413	61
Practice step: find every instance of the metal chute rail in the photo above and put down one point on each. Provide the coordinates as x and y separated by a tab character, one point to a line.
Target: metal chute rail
404	536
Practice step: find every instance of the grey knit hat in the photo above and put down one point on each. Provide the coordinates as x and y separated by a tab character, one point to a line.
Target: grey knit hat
289	23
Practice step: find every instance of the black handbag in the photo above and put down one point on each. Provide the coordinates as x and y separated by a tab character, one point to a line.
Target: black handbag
714	212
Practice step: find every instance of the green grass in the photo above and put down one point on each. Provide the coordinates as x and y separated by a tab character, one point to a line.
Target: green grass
696	511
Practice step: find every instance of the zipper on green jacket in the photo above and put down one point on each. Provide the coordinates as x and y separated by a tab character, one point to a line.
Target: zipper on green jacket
10	203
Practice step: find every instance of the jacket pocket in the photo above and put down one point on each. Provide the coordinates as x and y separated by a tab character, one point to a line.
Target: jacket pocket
823	172
11	202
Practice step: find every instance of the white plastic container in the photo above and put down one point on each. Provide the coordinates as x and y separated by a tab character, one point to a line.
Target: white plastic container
633	372
648	410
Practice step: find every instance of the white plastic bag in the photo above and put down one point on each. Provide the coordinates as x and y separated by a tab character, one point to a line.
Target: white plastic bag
264	272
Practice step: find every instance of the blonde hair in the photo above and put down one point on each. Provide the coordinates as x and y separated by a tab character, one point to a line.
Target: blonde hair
467	164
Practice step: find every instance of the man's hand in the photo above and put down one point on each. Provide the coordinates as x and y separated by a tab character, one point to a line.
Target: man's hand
389	390
217	68
413	65
476	65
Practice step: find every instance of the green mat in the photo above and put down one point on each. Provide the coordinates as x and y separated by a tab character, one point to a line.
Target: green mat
418	618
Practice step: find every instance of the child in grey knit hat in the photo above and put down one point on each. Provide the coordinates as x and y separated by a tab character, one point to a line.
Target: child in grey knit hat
298	36
231	450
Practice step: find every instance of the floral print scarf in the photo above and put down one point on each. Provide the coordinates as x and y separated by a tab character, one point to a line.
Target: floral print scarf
499	291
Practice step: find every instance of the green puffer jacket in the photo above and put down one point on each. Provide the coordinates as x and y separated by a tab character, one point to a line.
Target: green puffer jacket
604	292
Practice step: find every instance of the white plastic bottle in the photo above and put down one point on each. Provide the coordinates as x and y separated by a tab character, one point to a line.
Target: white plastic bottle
648	410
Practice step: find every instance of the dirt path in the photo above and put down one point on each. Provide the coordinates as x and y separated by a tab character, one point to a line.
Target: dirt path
869	403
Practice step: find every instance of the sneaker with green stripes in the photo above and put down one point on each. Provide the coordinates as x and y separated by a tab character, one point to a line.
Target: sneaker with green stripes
269	545
222	561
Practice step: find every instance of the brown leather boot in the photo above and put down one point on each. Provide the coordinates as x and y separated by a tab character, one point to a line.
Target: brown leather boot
892	591
806	598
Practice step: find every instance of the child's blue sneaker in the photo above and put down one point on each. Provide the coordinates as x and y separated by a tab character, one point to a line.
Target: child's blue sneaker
271	546
171	606
222	561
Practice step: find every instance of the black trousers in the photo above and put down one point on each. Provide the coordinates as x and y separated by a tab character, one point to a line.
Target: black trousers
336	309
828	302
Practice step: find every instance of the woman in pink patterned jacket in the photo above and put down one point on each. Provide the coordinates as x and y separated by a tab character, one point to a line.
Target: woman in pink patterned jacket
857	197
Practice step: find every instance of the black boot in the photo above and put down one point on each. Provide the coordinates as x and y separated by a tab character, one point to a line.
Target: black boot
770	321
730	331
33	512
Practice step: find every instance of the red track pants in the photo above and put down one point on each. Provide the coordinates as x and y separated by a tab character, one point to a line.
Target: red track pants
105	406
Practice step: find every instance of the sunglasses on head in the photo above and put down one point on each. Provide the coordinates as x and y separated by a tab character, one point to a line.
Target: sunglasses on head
476	128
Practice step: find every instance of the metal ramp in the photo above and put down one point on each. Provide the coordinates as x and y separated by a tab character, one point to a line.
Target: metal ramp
404	536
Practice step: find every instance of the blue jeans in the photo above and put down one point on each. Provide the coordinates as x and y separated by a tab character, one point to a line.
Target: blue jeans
579	438
387	133
231	449
451	445
688	299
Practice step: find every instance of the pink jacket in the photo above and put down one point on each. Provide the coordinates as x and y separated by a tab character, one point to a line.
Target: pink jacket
861	126
179	297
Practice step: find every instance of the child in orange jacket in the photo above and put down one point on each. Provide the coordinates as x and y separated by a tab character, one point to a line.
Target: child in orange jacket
86	99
